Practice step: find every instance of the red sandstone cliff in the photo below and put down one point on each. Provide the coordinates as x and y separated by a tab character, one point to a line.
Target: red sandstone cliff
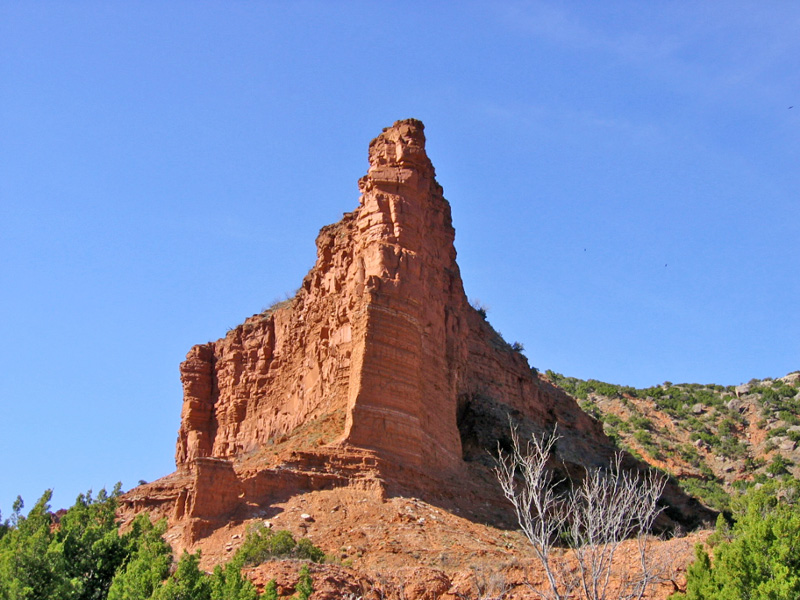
378	369
380	330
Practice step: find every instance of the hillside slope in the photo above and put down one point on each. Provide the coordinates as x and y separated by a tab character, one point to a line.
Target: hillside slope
712	438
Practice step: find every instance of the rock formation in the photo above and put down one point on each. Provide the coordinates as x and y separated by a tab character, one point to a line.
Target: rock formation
376	332
378	370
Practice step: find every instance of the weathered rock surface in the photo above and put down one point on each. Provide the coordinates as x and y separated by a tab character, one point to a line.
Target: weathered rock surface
378	375
406	549
380	331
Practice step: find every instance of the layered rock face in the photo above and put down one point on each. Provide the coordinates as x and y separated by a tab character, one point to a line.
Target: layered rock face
410	344
380	330
379	350
373	332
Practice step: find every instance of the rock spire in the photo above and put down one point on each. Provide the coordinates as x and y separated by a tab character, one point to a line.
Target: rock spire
377	370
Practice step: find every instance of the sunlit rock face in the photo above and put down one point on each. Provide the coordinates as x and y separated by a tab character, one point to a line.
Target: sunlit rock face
378	372
380	331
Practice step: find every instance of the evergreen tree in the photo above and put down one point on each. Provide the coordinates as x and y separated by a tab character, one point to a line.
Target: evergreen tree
81	555
71	558
88	540
30	569
227	583
4	526
149	562
187	583
761	560
305	585
270	590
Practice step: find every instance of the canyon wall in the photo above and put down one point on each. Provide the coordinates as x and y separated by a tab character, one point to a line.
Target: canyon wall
380	331
377	373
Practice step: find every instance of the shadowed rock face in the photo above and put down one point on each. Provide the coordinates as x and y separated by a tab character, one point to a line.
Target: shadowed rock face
379	348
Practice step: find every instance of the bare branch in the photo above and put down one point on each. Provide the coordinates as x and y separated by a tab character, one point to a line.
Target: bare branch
528	484
607	507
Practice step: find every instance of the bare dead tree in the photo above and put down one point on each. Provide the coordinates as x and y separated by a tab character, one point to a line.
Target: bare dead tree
528	484
596	516
607	508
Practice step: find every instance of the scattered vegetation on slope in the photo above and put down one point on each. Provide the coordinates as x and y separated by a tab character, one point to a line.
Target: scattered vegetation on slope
712	438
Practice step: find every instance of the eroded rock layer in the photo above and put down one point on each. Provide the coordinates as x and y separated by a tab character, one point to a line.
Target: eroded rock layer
378	368
380	329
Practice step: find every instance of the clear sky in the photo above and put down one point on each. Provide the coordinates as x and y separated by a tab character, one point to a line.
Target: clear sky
623	176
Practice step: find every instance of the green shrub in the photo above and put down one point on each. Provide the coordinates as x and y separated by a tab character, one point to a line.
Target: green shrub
305	550
645	438
590	408
641	423
779	466
305	585
705	436
227	583
263	544
708	397
778	431
709	491
731	447
690	454
770	397
694	424
187	583
751	464
706	471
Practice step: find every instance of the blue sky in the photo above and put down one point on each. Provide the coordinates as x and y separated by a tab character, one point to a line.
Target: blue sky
623	176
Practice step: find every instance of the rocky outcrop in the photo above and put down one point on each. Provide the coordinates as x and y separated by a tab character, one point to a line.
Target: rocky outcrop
380	329
378	369
377	331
